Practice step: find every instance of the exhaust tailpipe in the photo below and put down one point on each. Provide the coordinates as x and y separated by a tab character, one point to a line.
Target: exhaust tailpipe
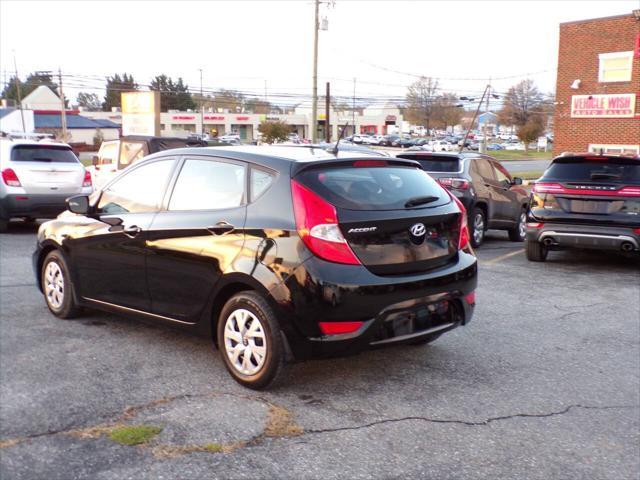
627	247
547	242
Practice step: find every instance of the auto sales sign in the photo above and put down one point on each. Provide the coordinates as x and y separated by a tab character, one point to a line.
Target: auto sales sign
603	106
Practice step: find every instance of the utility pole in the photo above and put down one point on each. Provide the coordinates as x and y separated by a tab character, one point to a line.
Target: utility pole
24	129
63	108
486	115
353	110
314	101
201	107
265	90
327	106
473	120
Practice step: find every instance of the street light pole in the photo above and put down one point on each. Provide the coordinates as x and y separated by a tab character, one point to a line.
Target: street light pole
63	108
15	64
201	107
314	102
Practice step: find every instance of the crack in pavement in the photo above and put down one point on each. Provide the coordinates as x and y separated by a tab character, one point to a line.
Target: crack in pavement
468	423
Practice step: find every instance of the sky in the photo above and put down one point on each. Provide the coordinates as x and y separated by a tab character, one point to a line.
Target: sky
255	46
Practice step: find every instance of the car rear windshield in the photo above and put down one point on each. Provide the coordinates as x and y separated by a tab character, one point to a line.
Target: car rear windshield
606	170
374	188
437	164
43	153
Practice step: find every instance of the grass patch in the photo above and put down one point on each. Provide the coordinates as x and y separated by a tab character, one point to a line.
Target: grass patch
532	175
134	434
506	155
280	423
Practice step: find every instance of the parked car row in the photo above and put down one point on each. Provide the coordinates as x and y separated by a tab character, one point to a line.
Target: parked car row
301	251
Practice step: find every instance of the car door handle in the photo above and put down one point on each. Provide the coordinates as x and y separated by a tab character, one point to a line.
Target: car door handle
221	228
132	231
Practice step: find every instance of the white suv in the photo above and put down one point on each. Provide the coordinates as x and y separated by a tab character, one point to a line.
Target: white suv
37	178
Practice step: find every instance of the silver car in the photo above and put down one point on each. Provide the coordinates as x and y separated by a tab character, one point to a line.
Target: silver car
37	178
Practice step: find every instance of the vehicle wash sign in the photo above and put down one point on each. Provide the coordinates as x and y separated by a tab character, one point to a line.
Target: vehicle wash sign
603	106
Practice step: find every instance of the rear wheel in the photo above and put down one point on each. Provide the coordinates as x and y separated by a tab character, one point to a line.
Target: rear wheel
518	233
536	252
56	285
478	226
250	342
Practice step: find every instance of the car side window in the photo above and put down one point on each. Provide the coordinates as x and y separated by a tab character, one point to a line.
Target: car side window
208	185
261	180
501	174
483	167
139	190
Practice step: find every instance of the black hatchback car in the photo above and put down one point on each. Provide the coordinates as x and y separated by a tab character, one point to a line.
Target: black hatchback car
492	198
585	201
272	251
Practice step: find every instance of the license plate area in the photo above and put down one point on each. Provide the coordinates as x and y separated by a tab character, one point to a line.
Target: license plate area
415	320
595	207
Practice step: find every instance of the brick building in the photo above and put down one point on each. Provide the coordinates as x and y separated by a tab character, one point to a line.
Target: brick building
598	85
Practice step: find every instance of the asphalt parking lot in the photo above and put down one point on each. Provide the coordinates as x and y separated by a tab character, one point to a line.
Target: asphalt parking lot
543	383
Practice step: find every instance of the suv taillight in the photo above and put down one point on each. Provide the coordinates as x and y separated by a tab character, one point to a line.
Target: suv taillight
463	241
10	178
457	183
87	179
317	225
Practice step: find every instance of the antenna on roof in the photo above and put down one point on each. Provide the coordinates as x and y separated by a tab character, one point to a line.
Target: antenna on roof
334	150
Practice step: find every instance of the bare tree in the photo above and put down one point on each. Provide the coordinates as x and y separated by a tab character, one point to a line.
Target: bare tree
525	107
447	111
420	101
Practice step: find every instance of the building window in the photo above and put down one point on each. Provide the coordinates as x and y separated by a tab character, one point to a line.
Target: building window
615	149
615	67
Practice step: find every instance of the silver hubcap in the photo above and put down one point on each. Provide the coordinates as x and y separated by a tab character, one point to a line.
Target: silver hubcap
54	285
522	226
244	341
478	228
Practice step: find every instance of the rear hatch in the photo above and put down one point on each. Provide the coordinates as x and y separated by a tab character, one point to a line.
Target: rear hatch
438	166
47	169
589	189
394	217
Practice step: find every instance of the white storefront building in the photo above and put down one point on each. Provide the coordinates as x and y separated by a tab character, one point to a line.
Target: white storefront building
181	124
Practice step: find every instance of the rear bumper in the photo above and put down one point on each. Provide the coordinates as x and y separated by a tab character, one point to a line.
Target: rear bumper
394	310
36	206
557	236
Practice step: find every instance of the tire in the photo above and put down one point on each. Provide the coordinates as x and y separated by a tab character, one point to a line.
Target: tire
254	373
536	252
518	233
57	287
4	225
426	340
478	223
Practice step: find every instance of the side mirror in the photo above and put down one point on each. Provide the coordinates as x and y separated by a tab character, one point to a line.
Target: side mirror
78	204
517	181
95	160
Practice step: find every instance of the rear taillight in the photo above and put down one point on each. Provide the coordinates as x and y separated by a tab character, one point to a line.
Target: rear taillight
317	225
636	231
337	328
470	298
547	188
10	178
457	183
629	191
87	179
463	241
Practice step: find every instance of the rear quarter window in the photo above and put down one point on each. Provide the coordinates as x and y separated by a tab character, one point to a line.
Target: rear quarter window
43	153
373	188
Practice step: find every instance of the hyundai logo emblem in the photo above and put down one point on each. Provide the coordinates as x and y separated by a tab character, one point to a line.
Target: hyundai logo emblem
418	230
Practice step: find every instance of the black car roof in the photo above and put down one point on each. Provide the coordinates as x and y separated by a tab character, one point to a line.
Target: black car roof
278	157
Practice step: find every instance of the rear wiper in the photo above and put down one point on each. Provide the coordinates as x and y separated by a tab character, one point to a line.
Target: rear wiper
415	201
601	175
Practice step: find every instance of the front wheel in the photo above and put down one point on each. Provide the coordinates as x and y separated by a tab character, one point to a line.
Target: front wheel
56	285
250	341
478	225
517	233
536	252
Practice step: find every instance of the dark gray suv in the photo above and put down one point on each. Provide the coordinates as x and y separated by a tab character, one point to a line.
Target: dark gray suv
492	197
